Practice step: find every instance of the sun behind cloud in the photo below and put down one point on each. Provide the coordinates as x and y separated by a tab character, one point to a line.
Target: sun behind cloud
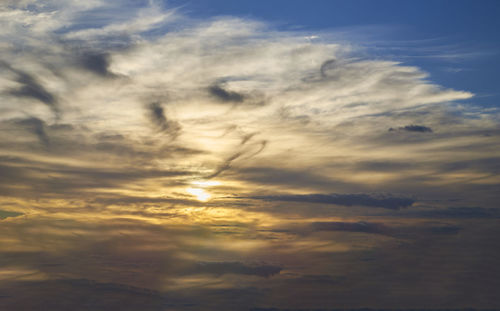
200	194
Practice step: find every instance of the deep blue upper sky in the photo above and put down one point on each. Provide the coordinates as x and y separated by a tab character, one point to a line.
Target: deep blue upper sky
466	27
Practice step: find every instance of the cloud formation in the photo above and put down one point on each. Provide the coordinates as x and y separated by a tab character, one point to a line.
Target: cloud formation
225	95
164	125
30	87
413	128
97	63
113	113
220	268
345	200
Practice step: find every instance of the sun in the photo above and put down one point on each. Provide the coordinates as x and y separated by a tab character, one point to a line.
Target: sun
200	194
198	189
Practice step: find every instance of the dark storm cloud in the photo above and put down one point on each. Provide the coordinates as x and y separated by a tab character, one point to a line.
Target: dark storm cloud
224	95
344	199
220	268
164	125
30	87
37	127
97	63
412	128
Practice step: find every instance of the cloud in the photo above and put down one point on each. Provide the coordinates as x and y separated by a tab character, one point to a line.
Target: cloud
455	212
191	97
361	226
247	137
225	165
288	177
326	66
413	128
344	199
97	63
60	293
37	127
6	214
30	87
164	125
45	179
220	268
388	229
224	95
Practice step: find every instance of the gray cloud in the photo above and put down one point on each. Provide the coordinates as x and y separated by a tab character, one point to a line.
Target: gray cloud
399	231
327	65
32	88
263	144
486	165
46	179
385	166
412	128
220	268
6	214
37	127
361	226
455	212
162	123
247	137
225	165
82	294
298	178
97	63
344	199
224	95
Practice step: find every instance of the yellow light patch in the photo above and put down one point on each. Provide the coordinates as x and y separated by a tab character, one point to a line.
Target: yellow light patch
200	194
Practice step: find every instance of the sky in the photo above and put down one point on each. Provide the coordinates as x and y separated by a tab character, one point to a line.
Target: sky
260	155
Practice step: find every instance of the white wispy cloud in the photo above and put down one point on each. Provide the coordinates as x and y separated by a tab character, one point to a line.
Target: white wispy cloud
298	101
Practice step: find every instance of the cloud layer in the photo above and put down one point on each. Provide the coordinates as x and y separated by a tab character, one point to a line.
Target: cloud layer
163	161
